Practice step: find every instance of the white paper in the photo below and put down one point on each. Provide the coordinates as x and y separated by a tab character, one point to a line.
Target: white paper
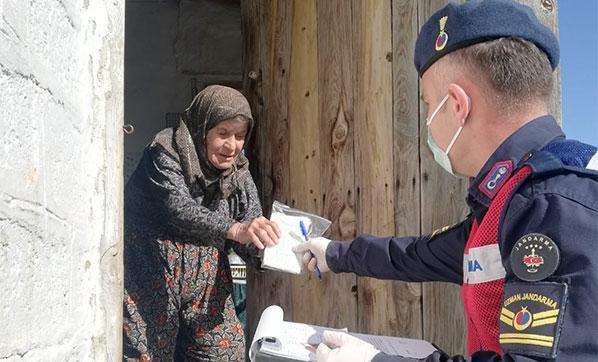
281	256
270	323
294	341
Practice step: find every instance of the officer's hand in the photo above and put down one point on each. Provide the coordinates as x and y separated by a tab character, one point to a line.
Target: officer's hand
314	253
345	348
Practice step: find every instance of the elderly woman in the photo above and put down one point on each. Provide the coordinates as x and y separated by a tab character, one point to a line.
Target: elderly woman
190	200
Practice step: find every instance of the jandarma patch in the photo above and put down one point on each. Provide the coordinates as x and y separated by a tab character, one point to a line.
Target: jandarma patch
531	318
496	178
534	257
442	38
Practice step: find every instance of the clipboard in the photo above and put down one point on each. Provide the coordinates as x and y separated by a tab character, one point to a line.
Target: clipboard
264	351
276	340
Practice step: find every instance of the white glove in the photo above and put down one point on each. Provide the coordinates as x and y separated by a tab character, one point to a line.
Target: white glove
314	253
348	348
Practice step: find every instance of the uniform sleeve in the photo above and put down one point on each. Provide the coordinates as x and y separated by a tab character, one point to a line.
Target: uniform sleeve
253	209
555	317
552	318
171	194
435	257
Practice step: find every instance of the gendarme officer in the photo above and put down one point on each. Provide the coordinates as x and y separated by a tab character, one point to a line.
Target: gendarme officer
526	255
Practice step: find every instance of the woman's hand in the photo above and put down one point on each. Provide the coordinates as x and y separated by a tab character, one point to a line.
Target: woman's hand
259	231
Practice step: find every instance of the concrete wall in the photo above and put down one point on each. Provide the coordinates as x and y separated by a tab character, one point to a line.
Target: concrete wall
61	74
174	49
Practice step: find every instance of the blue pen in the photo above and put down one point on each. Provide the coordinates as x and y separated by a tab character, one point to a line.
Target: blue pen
304	232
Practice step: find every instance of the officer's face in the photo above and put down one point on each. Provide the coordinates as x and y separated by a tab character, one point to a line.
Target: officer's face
442	128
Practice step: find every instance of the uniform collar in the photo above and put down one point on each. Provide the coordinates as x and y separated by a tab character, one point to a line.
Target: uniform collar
533	135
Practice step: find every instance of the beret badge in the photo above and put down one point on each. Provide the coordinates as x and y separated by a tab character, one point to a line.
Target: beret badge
442	38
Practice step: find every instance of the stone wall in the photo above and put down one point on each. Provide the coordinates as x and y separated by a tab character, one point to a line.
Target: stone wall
61	75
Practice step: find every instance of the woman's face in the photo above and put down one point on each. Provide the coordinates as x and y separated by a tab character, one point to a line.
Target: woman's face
225	141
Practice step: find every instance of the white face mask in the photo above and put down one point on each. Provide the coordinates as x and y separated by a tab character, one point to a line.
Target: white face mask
441	156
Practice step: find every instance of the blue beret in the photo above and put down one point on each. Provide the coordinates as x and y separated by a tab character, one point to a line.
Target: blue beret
458	26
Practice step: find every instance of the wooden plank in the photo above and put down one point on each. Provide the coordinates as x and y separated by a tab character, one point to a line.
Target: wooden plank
304	126
273	19
336	69
377	311
250	29
252	82
304	143
406	151
442	203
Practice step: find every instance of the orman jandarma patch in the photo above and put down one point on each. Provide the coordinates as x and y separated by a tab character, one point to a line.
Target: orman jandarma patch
531	318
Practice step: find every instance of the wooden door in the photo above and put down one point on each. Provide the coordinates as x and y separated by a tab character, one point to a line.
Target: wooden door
341	133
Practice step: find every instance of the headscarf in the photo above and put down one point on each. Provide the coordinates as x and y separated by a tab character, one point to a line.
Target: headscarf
187	143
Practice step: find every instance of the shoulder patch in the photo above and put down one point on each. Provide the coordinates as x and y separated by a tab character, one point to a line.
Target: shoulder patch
534	257
495	178
531	318
442	230
448	227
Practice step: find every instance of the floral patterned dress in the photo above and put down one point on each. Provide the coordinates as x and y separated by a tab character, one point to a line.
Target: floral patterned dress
178	288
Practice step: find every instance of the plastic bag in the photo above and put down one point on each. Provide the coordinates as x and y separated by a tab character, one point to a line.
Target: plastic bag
281	256
318	225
